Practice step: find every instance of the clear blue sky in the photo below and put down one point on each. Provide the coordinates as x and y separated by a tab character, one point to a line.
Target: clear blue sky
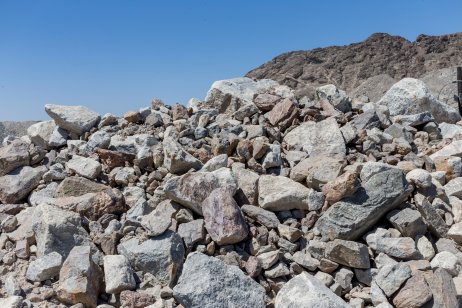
114	56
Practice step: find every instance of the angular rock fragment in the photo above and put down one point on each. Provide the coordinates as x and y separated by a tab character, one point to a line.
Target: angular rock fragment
414	293
392	276
263	217
84	166
221	285
278	193
75	119
223	218
177	160
383	188
118	274
305	290
16	185
348	253
191	189
161	255
14	155
45	267
80	279
317	139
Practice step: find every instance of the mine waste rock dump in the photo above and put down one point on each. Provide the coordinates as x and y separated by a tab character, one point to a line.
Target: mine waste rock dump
253	197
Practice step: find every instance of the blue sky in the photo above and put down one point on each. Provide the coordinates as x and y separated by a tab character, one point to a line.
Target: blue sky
114	56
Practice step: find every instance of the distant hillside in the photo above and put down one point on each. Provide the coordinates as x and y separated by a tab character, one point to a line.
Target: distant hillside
384	57
14	128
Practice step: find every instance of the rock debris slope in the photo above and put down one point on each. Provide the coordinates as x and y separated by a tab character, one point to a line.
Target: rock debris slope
251	198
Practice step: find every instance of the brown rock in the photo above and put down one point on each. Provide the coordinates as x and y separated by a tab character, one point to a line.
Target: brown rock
114	159
348	253
253	266
134	299
223	218
449	165
443	289
179	112
132	117
414	294
282	111
244	149
265	101
343	186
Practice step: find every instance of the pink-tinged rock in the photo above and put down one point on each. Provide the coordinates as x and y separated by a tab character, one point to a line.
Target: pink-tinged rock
223	218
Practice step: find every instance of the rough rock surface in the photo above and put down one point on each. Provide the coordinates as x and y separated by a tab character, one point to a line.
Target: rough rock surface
221	285
273	198
305	290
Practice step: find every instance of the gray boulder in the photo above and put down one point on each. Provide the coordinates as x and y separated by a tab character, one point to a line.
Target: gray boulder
317	138
80	279
75	119
57	230
40	133
16	185
278	193
410	96
118	274
383	188
14	155
220	285
45	267
161	256
306	291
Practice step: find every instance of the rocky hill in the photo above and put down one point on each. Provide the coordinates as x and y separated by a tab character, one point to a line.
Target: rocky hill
254	197
369	67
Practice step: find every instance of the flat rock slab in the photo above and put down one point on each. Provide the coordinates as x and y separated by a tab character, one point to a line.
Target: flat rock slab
207	282
75	119
383	188
317	138
306	291
278	193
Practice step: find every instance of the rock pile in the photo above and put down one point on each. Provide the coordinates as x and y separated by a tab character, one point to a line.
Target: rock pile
251	198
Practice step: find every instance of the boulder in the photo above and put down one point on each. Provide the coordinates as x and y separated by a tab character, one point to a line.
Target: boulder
278	193
317	138
40	133
191	189
348	253
57	230
83	166
177	160
16	185
262	216
118	274
337	98
14	155
75	119
161	256
80	279
306	291
220	285
317	170
223	218
410	96
383	188
45	267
